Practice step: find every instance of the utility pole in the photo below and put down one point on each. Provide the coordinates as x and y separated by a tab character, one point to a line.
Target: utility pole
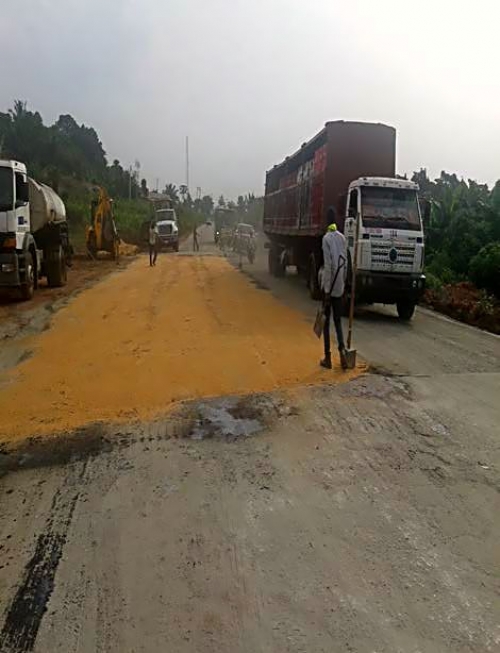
130	182
187	162
157	183
198	192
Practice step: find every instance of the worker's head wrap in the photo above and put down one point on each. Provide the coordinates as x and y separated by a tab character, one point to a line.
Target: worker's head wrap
331	219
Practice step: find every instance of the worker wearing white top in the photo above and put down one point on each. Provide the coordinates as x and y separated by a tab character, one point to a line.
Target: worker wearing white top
333	280
153	243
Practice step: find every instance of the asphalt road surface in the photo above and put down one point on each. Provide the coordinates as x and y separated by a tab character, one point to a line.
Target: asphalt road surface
307	516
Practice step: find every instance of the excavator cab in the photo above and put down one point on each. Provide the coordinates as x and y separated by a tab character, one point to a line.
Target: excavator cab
101	233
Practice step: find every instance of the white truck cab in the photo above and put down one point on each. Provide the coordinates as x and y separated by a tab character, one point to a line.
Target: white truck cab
34	238
168	228
390	257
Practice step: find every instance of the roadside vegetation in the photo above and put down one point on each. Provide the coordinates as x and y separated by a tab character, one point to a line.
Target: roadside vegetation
463	248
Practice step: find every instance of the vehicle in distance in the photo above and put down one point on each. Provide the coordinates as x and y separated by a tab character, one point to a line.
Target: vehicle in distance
348	167
34	240
168	229
244	241
224	220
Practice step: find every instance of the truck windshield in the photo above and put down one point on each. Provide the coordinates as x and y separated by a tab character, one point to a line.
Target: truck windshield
390	208
6	189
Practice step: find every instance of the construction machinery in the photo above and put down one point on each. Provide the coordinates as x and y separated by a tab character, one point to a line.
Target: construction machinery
101	233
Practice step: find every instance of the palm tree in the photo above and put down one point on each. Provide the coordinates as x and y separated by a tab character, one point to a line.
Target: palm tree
172	191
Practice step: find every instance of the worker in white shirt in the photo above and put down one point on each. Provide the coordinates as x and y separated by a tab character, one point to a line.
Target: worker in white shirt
332	284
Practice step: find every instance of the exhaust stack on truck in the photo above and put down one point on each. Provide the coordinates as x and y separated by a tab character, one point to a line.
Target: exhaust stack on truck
348	167
34	239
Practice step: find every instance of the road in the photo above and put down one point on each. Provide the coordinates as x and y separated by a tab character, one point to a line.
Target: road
313	514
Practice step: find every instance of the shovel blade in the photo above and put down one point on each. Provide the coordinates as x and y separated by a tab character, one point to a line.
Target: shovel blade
350	358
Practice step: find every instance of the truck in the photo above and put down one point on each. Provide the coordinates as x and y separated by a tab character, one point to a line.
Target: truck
34	240
168	229
348	170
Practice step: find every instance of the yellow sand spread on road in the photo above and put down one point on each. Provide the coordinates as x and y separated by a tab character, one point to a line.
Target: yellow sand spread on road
146	338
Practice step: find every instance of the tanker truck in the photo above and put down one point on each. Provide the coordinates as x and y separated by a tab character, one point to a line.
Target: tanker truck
34	239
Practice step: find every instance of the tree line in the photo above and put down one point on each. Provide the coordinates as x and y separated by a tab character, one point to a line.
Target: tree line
64	149
463	231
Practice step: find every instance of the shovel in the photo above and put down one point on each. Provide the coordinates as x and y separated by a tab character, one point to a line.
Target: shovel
349	354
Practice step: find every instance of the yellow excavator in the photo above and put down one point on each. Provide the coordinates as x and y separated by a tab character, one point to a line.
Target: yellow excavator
101	233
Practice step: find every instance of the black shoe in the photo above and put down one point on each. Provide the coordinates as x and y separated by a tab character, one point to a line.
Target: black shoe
326	362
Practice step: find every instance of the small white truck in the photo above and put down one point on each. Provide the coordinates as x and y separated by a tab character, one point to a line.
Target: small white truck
34	241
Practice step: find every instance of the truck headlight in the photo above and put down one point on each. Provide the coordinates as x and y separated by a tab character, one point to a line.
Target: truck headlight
8	267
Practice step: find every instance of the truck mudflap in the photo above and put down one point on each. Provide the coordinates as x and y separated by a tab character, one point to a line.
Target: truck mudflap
9	270
375	287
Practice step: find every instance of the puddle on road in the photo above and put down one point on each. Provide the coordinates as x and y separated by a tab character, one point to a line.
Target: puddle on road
235	417
219	421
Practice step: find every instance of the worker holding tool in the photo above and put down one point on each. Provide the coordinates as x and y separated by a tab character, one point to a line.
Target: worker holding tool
333	280
196	244
153	243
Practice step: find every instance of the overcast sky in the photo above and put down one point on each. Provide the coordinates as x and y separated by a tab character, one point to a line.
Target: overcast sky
250	80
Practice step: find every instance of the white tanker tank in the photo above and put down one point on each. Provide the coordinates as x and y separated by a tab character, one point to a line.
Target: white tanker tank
45	206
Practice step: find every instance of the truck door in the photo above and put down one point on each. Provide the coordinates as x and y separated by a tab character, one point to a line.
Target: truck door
352	215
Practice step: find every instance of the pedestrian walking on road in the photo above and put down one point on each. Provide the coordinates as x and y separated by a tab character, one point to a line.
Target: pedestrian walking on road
333	280
153	243
196	244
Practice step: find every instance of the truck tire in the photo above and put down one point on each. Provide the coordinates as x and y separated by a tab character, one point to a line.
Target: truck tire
277	267
28	284
312	279
280	266
270	262
406	310
56	268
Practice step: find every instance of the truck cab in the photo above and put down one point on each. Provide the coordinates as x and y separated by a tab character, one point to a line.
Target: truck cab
34	238
168	229
385	215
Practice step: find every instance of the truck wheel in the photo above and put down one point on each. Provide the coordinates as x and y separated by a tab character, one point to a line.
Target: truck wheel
28	284
56	268
271	262
405	310
312	279
280	265
176	247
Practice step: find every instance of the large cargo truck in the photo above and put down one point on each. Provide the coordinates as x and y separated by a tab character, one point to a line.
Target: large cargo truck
349	169
34	240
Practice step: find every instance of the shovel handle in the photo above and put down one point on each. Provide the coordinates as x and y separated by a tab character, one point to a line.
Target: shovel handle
353	284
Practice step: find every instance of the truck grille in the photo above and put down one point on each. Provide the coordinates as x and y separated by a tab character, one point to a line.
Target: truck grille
165	229
388	256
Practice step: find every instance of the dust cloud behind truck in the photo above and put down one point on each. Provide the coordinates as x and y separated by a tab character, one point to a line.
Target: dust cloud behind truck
348	167
34	240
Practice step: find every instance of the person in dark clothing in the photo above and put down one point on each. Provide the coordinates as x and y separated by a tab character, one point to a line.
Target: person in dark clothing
333	283
153	243
196	244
